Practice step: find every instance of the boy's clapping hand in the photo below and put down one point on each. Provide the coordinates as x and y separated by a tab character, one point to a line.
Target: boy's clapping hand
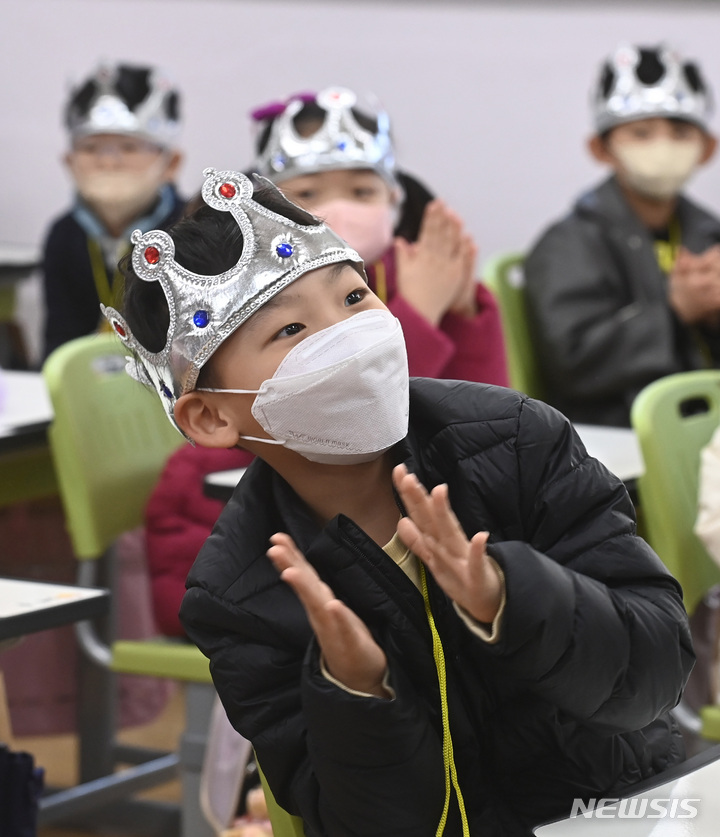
349	651
436	273
460	566
694	286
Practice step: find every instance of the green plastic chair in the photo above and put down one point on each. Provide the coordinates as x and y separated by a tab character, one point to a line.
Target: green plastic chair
283	823
109	442
504	276
674	419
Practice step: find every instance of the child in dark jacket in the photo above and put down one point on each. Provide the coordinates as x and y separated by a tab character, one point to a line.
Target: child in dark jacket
425	605
123	123
338	162
626	288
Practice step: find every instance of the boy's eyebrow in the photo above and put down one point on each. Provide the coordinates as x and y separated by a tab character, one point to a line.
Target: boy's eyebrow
282	299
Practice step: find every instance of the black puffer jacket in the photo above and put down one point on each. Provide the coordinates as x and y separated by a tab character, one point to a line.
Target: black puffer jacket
571	702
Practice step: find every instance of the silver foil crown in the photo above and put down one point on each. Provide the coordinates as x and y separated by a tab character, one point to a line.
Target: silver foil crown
340	142
205	310
104	105
672	88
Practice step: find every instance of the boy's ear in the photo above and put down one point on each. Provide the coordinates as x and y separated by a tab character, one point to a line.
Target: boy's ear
204	421
598	148
175	159
709	149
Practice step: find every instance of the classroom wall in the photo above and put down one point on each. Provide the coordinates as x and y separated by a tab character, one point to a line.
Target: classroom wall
489	100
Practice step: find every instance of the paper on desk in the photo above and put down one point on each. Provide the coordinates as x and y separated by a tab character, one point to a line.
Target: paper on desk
18	596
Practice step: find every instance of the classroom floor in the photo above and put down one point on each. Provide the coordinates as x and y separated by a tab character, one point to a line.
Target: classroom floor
58	755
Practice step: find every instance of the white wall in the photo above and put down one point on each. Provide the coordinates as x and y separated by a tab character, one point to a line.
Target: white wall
488	100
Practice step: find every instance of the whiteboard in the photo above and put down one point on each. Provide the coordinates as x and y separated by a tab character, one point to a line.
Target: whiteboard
489	101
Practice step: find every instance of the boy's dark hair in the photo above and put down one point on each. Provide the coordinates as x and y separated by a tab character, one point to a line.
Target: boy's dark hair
207	242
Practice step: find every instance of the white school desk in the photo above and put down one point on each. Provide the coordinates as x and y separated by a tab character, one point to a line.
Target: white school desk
18	259
30	606
690	788
26	470
25	410
616	447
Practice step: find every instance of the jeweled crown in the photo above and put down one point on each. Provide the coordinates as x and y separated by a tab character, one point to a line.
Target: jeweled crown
639	83
206	310
340	142
123	99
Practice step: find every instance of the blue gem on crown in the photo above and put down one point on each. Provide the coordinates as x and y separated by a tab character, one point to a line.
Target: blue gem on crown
201	318
284	250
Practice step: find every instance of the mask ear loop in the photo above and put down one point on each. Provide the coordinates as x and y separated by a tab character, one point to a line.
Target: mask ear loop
243	392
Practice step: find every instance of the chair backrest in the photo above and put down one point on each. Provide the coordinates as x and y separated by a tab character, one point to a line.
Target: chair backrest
674	419
109	441
504	276
283	824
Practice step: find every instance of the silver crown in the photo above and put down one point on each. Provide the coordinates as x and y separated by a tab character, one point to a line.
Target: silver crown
206	310
622	97
339	143
107	111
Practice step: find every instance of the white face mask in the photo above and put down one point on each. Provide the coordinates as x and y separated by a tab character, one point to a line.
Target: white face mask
120	196
341	396
367	228
659	168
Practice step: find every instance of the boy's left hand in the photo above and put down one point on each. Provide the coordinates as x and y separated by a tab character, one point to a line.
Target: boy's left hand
460	566
349	650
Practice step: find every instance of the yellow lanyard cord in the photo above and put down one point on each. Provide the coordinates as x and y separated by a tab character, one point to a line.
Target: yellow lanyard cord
666	254
380	281
666	251
448	755
106	295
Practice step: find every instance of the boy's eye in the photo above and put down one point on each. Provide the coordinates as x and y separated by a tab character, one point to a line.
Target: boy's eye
290	330
365	193
680	131
358	295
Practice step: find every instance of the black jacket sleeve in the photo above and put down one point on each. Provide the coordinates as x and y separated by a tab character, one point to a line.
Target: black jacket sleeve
348	765
72	307
593	623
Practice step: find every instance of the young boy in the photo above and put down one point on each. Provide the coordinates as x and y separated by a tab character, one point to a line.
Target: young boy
626	288
123	123
338	162
425	605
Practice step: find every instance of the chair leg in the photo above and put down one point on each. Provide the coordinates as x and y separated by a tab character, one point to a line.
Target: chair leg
96	720
199	699
97	689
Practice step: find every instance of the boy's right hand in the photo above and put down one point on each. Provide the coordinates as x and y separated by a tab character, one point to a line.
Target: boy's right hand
694	286
432	272
349	651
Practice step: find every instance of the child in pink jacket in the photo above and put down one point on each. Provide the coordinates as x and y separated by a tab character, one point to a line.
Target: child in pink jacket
338	162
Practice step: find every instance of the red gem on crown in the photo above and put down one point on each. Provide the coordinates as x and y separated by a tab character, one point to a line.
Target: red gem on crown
227	190
152	255
120	330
